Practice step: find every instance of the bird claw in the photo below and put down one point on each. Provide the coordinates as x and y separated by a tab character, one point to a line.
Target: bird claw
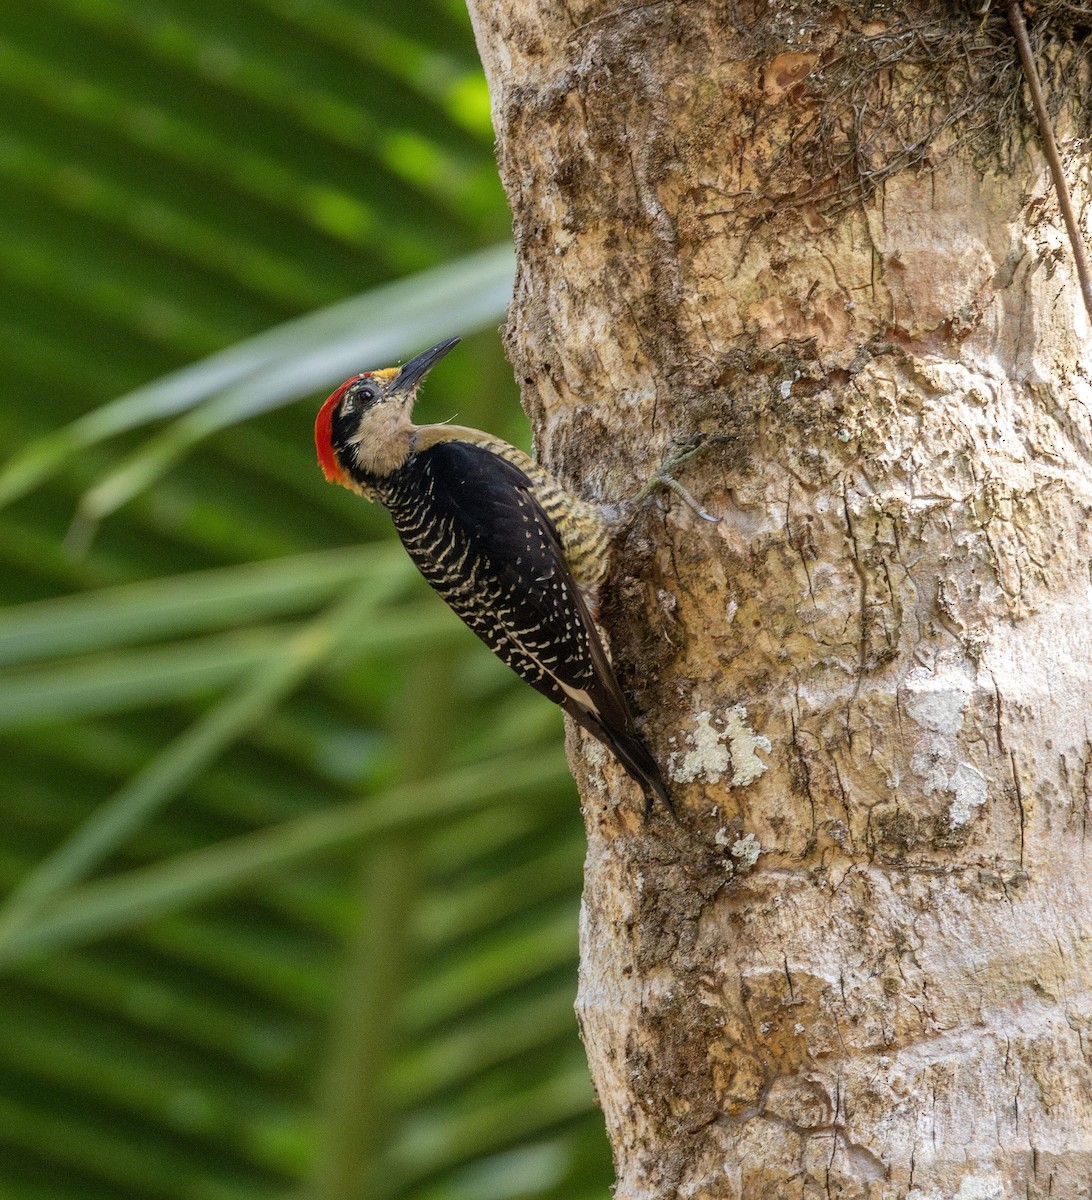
664	478
672	484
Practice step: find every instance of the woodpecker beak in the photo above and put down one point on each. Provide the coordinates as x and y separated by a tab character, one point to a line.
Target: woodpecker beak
409	377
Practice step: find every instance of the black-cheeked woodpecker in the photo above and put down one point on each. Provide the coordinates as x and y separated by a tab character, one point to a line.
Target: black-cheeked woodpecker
504	544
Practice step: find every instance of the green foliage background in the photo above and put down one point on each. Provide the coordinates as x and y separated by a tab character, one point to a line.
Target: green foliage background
291	864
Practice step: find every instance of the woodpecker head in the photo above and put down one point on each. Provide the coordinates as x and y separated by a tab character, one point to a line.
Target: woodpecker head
364	428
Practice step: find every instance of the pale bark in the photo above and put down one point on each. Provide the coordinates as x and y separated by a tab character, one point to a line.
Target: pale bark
865	969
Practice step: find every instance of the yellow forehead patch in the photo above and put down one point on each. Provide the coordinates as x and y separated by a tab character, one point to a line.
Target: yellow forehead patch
386	375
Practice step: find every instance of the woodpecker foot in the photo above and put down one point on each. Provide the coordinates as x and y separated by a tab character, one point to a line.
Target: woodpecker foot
664	478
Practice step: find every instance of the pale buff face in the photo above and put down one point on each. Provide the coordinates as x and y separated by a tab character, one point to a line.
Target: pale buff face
384	436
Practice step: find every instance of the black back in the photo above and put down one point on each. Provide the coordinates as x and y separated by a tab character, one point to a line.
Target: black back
470	521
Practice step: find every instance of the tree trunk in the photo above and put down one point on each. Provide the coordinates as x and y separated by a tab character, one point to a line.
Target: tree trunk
825	238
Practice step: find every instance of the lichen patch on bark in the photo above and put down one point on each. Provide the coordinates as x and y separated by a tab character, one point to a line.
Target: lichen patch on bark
714	753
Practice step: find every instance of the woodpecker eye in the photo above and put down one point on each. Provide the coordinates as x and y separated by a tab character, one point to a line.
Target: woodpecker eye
357	400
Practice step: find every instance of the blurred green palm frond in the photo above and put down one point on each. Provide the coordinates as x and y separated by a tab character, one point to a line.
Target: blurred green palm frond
291	864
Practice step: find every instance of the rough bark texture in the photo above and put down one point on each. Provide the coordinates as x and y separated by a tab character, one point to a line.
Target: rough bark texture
824	237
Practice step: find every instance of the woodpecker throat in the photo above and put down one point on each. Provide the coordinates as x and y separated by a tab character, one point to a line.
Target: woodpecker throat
504	544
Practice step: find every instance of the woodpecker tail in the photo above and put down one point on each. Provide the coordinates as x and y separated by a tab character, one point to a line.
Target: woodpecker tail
637	759
629	748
